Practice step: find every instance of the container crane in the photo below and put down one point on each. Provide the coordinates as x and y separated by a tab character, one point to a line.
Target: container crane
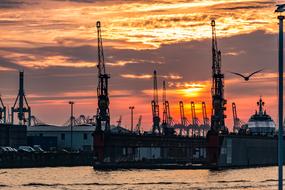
218	100
138	126
155	106
166	119
237	121
21	106
2	111
183	119
119	122
195	120
103	112
206	121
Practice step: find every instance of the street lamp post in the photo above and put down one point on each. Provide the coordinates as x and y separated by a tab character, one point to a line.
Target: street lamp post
71	123
280	105
132	117
280	9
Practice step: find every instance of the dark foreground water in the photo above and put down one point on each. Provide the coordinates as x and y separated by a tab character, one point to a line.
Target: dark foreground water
83	178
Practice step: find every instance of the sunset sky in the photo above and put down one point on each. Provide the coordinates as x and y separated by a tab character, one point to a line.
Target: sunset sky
54	42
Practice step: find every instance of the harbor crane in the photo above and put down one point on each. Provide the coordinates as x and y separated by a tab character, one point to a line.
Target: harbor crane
138	126
37	122
195	120
119	122
2	111
206	121
218	100
155	107
183	120
21	106
237	121
103	112
167	120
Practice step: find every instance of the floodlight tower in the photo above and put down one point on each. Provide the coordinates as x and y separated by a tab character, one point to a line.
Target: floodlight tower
21	105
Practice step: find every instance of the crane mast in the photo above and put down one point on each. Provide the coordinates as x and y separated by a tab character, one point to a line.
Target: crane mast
155	106
218	101
103	112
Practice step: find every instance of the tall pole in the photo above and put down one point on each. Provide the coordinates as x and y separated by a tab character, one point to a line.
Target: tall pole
280	106
132	117
71	124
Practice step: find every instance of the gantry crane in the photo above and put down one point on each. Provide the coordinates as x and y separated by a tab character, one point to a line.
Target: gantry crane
103	112
138	126
237	121
2	111
119	122
206	121
155	106
218	100
195	120
166	119
183	119
21	106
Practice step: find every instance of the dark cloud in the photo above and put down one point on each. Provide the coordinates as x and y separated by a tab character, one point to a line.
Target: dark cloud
191	60
243	7
4	62
4	4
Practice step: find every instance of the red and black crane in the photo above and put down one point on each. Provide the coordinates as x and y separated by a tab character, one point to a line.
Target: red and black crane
103	112
218	100
155	106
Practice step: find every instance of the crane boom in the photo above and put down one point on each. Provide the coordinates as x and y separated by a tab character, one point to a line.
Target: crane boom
103	112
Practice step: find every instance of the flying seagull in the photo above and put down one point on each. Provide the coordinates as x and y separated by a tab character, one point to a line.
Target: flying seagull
246	78
280	8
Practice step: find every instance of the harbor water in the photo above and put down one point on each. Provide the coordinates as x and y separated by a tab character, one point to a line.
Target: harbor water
85	178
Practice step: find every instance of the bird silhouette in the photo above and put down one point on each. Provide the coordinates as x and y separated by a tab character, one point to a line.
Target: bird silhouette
280	8
246	78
